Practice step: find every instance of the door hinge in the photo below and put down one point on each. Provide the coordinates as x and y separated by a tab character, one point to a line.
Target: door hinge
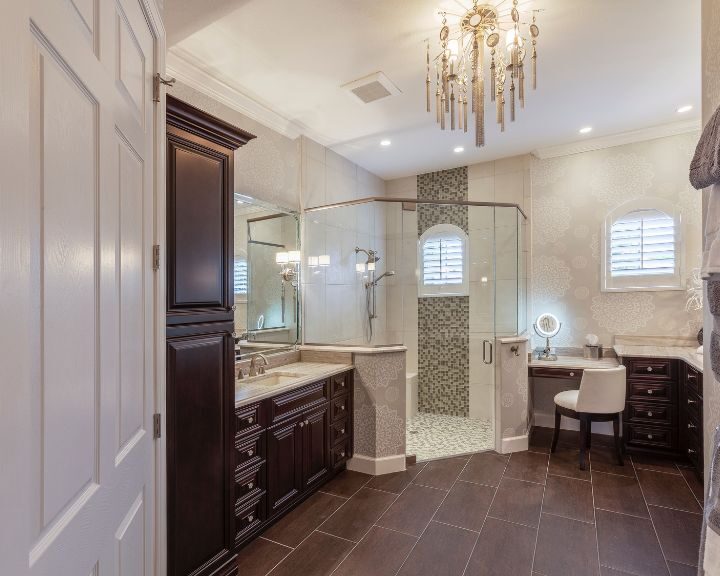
157	81
156	257
157	426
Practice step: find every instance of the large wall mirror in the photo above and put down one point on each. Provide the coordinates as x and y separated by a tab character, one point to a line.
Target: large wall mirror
267	269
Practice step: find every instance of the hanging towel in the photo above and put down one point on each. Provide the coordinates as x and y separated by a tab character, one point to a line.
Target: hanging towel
711	253
705	165
709	561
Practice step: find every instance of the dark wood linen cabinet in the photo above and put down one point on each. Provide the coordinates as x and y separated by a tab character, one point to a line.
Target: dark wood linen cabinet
200	349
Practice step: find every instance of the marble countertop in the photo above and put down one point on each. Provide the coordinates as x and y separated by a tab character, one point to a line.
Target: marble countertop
577	362
688	354
307	372
381	349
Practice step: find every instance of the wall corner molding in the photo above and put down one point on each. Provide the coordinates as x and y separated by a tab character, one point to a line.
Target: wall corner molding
184	67
642	135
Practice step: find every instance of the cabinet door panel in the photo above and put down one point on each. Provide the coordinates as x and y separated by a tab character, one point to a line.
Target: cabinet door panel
315	446
200	450
284	451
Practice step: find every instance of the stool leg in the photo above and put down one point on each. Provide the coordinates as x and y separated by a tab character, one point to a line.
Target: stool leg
618	443
583	439
589	433
556	432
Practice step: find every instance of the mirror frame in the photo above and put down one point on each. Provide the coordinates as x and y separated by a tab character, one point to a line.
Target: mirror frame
271	347
544	334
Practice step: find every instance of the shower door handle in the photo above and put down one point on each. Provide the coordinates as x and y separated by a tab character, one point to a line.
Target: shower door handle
487	343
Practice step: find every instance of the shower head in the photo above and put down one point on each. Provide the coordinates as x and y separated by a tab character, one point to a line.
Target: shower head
372	255
388	273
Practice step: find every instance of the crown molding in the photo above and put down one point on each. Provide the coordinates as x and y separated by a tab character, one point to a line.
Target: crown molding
188	70
641	135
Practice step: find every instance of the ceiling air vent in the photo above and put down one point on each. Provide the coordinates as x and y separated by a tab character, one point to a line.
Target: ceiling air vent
373	87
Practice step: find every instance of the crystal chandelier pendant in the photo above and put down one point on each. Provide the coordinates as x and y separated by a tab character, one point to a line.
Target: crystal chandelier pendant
461	71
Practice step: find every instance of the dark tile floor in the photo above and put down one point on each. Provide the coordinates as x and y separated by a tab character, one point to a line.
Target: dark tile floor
532	514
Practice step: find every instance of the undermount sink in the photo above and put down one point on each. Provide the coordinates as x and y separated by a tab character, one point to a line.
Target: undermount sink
273	379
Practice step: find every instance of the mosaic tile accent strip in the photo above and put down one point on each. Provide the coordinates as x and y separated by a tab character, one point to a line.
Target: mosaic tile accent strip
713	297
432	436
445	185
444	355
715	353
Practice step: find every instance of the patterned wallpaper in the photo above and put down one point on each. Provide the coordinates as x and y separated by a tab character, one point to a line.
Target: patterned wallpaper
443	322
571	196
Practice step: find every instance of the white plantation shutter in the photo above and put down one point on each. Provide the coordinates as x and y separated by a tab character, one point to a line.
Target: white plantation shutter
643	243
443	260
241	276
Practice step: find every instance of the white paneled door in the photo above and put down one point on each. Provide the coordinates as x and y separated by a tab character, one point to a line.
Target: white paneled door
87	473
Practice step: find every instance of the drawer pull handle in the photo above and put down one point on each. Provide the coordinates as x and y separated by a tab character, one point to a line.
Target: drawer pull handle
650	414
250	453
691	426
250	420
250	486
691	401
650	392
649	369
650	436
572	373
691	451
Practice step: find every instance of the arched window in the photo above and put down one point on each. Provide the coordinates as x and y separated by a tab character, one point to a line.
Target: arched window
642	247
443	260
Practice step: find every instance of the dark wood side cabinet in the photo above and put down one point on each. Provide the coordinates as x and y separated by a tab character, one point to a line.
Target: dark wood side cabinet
287	446
663	410
200	348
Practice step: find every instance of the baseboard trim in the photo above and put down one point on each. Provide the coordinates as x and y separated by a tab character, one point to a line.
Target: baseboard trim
515	444
548	421
376	466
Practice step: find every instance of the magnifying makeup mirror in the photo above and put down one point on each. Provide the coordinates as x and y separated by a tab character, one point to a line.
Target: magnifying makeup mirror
547	326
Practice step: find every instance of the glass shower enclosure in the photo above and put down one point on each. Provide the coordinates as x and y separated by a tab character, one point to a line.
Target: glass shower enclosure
445	279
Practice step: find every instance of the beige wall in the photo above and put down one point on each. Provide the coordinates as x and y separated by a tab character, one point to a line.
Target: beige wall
571	196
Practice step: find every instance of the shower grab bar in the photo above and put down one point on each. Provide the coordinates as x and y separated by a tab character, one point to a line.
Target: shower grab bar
413	201
485	360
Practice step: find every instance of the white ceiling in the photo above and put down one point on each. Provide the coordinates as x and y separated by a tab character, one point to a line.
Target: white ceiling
616	65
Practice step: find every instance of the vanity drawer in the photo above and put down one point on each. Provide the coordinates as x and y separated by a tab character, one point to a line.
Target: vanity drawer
340	383
341	453
660	414
339	431
305	398
694	380
249	484
249	419
694	406
651	368
249	451
565	373
339	408
249	517
649	436
650	392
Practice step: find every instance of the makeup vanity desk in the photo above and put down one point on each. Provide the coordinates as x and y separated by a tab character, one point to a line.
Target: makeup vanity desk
567	367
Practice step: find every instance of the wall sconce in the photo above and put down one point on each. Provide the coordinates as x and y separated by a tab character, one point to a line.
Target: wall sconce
324	260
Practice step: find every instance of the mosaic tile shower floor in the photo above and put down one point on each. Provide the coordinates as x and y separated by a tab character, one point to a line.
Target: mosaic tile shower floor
433	436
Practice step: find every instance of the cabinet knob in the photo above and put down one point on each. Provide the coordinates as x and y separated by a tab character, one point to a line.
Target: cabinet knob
250	486
342	431
342	407
691	426
307	422
572	373
649	368
302	424
250	453
691	451
650	392
250	420
691	401
342	454
250	519
650	414
342	384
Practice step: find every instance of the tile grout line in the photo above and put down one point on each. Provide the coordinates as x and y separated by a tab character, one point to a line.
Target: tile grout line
433	517
701	504
274	542
487	515
269	573
592	493
652	522
542	503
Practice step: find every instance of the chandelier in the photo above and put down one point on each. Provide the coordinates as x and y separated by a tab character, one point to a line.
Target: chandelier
460	66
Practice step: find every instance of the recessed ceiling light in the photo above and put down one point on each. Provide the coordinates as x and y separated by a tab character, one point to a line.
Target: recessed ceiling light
586	130
684	109
458	149
385	142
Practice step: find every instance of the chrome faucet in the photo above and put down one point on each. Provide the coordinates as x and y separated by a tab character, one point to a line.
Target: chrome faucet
259	370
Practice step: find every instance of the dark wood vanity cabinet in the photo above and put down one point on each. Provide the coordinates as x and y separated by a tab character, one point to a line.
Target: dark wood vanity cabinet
296	443
201	472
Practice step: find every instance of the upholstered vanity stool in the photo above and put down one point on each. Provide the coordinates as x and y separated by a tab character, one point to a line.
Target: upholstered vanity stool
601	398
